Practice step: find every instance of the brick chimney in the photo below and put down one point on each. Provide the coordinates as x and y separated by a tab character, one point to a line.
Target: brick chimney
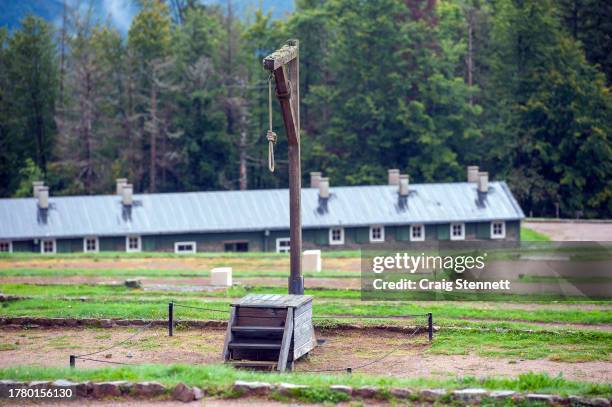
43	197
35	186
120	182
403	185
394	176
127	194
472	173
483	182
324	187
315	177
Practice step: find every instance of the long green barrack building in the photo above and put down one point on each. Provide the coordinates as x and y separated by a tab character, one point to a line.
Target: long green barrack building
344	217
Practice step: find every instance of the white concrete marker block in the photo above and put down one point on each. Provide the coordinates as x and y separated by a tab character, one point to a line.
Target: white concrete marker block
311	260
221	276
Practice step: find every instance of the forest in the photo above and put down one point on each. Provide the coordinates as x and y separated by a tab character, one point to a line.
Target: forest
180	102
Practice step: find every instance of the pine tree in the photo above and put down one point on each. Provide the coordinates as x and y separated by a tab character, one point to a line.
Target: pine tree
557	109
260	39
32	75
590	22
9	159
206	147
81	118
149	39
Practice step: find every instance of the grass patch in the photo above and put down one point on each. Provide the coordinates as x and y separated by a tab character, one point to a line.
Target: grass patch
218	379
7	346
78	290
167	273
568	347
462	310
106	301
530	235
103	336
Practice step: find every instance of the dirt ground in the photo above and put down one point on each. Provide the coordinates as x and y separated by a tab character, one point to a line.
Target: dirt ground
573	231
342	349
173	263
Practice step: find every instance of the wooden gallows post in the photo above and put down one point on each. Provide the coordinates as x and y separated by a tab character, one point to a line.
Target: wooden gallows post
284	66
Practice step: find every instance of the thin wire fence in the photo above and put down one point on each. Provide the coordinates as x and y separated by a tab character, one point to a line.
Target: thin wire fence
108	361
172	321
349	369
73	358
141	330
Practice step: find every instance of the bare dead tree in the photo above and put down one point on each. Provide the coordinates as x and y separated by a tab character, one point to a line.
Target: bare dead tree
77	118
129	117
236	107
157	122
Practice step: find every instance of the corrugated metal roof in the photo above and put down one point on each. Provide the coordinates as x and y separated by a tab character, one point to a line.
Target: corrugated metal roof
77	216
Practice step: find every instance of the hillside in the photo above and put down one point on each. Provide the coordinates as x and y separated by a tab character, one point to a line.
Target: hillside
120	12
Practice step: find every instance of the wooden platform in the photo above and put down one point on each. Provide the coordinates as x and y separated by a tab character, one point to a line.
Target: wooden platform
269	330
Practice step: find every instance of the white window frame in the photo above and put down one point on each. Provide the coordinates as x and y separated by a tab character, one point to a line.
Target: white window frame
177	244
333	242
417	239
96	250
460	237
127	244
503	233
382	234
282	240
42	246
10	245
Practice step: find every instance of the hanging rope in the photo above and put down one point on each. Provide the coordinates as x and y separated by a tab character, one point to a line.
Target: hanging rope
271	136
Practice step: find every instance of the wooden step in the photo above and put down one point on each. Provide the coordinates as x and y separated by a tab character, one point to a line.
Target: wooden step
254	345
257	364
278	329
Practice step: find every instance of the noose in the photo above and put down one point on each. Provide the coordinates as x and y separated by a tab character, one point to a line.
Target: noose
271	135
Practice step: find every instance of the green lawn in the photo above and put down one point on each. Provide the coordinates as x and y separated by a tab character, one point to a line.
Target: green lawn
578	346
110	301
487	329
530	235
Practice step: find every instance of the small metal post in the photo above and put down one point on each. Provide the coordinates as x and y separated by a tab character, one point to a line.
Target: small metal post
72	361
430	325
170	318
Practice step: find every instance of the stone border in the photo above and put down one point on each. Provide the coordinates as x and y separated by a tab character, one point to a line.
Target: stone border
104	390
468	396
185	393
